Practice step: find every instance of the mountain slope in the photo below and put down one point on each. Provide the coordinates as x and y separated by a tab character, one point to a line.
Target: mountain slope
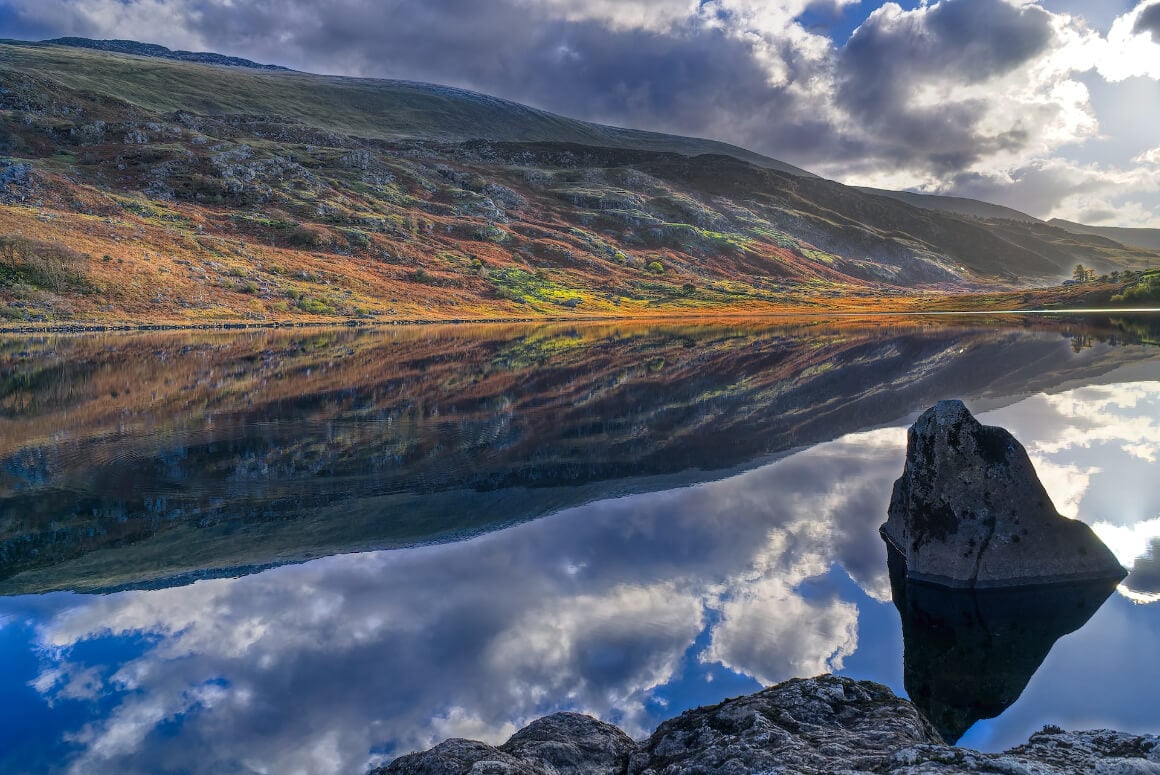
368	108
139	189
1148	239
958	205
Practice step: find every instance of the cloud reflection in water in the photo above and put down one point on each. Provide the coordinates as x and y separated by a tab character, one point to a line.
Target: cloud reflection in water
614	608
310	667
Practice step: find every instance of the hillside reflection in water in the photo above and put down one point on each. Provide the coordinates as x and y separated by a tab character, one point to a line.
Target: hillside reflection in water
631	607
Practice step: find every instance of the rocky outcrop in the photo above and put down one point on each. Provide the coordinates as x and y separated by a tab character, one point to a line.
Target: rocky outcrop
970	653
801	727
560	744
969	511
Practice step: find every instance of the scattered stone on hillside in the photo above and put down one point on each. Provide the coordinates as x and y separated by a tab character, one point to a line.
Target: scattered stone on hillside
13	178
801	727
970	511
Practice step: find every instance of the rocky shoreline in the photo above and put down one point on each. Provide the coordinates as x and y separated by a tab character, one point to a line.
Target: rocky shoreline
814	726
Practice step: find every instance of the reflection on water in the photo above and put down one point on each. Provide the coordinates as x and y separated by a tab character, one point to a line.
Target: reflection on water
969	654
152	460
1144	580
713	496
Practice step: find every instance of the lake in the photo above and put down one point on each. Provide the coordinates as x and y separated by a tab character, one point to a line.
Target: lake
310	551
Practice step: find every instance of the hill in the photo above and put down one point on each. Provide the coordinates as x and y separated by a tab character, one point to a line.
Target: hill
958	205
362	107
153	50
1148	239
145	189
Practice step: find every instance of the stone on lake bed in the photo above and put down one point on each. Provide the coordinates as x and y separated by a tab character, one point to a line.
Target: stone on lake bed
970	511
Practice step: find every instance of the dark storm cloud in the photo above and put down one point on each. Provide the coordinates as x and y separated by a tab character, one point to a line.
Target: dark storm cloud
687	79
953	42
1037	188
1149	21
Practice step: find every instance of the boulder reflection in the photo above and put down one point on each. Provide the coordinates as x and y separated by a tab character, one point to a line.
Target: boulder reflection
969	653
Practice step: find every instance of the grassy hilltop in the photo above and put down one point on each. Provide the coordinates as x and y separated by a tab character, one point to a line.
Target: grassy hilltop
137	189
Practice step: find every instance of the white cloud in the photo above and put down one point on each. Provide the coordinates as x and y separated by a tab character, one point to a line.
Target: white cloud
770	632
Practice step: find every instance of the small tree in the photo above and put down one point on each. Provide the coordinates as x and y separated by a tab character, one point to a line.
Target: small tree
1080	274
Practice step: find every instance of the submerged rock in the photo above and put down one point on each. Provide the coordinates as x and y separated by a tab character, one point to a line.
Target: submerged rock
969	653
801	727
969	511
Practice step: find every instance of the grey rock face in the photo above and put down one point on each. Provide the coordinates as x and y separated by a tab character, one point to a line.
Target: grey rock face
969	511
459	757
818	726
560	744
572	744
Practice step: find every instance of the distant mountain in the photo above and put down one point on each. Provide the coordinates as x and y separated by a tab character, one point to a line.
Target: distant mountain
972	208
160	190
161	52
1148	239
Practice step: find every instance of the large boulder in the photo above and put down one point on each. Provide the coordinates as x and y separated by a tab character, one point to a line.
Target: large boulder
969	511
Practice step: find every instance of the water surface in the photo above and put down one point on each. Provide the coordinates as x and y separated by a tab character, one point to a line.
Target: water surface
307	552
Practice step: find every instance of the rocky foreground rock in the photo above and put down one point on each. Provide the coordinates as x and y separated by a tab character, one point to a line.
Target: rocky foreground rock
969	511
801	727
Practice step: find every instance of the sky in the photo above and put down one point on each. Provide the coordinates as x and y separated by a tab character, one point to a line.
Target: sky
1048	106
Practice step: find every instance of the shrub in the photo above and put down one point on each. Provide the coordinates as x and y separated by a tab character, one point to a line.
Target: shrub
315	307
1145	291
304	235
41	264
509	295
656	267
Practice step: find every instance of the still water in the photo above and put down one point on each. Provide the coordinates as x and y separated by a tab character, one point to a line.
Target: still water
314	551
